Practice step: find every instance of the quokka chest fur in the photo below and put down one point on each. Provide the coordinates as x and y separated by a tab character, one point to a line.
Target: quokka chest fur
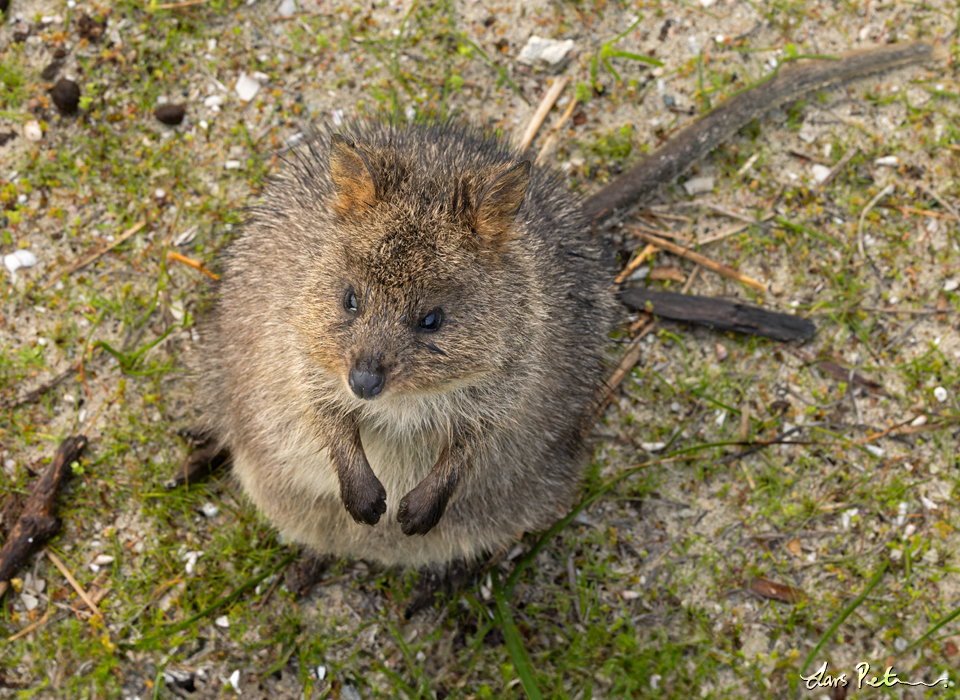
407	346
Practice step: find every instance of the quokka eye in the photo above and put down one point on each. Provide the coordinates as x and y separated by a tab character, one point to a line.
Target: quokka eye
432	320
350	301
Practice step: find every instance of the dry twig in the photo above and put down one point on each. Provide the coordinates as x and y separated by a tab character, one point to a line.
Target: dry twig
706	262
546	104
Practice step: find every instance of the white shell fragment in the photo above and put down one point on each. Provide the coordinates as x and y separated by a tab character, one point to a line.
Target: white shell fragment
546	52
103	560
209	510
951	285
247	87
32	130
820	172
653	446
699	185
874	450
222	621
21	258
888	161
235	681
321	672
940	394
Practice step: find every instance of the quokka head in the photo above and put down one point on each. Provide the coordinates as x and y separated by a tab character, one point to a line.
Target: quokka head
420	285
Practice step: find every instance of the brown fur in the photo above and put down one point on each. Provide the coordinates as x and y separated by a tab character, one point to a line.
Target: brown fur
478	432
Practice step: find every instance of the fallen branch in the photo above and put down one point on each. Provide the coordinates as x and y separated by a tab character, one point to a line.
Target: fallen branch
720	314
37	522
719	268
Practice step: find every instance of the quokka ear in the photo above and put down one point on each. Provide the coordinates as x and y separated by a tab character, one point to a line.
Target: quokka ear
499	203
353	177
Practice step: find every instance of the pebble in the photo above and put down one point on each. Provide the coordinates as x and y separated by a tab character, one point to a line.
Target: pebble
652	446
321	672
32	130
629	595
951	285
721	351
548	53
699	185
222	621
232	165
159	193
103	559
213	101
820	172
337	116
235	680
287	8
209	510
940	394
874	450
66	96
170	114
247	87
888	161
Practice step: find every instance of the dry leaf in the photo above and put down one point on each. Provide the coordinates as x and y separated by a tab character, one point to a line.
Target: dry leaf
793	546
776	591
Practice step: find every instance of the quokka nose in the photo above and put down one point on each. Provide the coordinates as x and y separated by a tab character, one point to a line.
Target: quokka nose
366	379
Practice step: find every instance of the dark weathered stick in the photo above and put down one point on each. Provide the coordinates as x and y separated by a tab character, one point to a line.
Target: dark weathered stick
38	521
718	313
708	132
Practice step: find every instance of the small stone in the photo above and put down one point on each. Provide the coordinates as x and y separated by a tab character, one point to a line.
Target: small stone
548	53
629	595
669	101
209	510
887	161
66	96
721	351
222	621
247	87
940	394
32	130
287	8
235	680
699	185
213	101
652	446
321	672
232	165
160	193
820	172
103	559
170	114
874	450
951	285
